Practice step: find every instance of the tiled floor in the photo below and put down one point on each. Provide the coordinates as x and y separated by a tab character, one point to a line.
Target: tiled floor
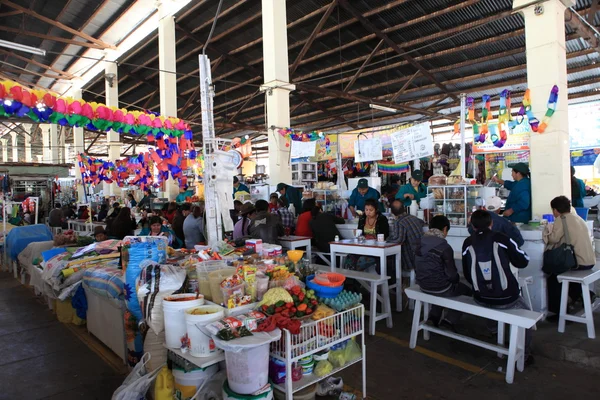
40	358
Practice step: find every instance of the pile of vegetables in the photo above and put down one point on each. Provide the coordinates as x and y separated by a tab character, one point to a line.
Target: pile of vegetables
295	303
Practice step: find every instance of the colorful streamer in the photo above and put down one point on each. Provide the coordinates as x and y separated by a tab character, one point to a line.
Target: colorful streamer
503	119
389	167
136	170
535	124
300	136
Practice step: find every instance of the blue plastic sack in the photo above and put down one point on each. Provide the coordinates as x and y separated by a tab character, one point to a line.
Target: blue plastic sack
19	237
48	254
138	252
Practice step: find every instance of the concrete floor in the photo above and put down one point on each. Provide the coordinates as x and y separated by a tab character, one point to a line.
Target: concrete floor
41	358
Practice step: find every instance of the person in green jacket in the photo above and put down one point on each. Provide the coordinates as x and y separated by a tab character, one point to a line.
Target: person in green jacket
577	190
414	190
518	204
184	193
239	187
292	195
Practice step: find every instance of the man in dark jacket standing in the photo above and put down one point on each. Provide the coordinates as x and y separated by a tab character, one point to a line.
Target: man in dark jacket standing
265	226
435	269
292	195
487	257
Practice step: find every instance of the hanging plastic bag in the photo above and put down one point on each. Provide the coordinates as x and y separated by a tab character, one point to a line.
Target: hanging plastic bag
137	383
352	351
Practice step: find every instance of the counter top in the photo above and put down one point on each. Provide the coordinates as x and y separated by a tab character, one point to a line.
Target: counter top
528	232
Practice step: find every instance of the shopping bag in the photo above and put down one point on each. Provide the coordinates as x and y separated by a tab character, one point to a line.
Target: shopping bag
562	258
138	382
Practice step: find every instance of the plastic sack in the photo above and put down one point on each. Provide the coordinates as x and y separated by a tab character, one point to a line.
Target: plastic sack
156	282
19	237
337	358
137	383
323	368
352	351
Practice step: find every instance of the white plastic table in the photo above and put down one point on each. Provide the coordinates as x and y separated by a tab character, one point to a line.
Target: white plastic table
374	249
293	242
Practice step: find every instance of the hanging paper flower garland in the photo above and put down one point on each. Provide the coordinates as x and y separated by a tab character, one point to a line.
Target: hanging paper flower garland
486	112
300	136
499	139
533	121
135	170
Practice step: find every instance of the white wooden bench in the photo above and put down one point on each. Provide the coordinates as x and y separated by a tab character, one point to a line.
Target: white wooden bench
374	281
519	320
585	278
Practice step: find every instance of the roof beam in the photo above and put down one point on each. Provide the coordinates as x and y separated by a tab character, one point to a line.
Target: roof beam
592	12
58	24
39	64
27	72
363	66
313	36
10	13
50	37
398	49
573	20
327	112
405	86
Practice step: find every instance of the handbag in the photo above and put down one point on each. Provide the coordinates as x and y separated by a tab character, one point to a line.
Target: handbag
562	258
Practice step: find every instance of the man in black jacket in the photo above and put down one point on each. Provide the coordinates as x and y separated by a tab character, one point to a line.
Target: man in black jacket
265	226
487	257
435	270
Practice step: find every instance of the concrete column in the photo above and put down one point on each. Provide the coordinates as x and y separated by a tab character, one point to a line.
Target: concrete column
112	138
27	128
66	153
4	150
167	77
546	67
46	156
78	148
15	147
54	145
276	86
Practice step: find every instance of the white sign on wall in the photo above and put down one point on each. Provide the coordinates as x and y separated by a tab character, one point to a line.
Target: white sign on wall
412	143
303	149
368	150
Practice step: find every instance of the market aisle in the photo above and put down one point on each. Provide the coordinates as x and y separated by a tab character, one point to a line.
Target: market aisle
40	358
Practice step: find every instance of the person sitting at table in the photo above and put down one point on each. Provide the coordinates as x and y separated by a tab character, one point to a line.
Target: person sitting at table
493	204
265	225
273	204
68	212
303	224
193	228
372	223
100	234
114	211
169	214
487	257
83	213
158	229
360	195
406	230
288	220
235	213
180	215
324	228
413	190
56	218
122	225
102	213
436	271
241	229
554	236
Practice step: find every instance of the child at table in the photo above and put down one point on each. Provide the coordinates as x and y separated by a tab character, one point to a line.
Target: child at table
436	272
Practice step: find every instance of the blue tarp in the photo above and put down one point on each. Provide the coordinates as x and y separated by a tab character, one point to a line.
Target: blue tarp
19	237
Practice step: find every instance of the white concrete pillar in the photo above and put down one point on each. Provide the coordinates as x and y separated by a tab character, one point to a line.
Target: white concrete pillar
15	147
167	77
546	67
112	138
27	128
78	148
4	150
46	155
61	145
54	146
277	86
66	154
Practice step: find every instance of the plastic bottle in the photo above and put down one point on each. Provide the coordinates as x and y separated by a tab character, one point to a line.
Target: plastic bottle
337	238
414	207
165	385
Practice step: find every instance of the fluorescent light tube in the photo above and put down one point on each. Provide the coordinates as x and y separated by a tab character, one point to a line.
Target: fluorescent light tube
22	47
383	108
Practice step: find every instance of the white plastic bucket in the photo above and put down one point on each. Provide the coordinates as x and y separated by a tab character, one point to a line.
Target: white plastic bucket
248	370
173	308
187	383
201	344
229	394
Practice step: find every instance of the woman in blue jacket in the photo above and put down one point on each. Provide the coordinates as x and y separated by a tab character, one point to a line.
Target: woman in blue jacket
518	204
577	190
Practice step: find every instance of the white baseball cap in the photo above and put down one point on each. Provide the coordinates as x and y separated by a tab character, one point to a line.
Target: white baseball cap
493	203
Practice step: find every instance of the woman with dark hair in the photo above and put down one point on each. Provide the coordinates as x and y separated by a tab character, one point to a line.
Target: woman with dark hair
241	229
158	229
303	224
169	213
122	225
103	212
131	200
577	190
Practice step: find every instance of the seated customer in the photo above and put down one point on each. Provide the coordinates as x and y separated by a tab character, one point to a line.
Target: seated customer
56	218
193	228
435	269
487	257
265	225
180	216
500	224
273	204
158	229
554	236
241	229
303	224
122	225
324	229
406	230
372	223
100	234
288	220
